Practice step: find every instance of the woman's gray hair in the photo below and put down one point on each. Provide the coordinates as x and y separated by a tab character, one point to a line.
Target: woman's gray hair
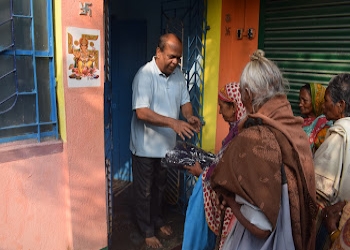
339	90
263	79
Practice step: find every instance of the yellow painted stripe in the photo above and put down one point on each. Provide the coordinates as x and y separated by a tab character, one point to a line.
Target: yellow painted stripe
211	74
59	69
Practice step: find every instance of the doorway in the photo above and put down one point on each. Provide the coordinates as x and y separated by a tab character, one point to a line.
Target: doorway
128	53
132	33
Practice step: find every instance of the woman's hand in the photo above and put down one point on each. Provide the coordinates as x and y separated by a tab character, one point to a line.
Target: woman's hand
236	210
229	200
195	170
332	215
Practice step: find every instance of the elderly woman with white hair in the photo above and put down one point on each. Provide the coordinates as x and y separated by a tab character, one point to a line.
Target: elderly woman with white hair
266	174
332	165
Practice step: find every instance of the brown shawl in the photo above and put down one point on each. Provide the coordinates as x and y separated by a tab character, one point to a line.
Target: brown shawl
251	168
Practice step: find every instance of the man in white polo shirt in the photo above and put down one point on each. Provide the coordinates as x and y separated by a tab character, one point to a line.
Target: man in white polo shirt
159	94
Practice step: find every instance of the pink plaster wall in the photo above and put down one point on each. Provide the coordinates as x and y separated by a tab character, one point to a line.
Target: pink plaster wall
34	202
56	200
85	139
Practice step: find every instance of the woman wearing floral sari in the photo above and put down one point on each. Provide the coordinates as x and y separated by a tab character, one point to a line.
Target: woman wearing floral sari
311	99
202	216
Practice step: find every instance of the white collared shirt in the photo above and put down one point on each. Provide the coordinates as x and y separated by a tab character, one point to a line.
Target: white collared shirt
165	96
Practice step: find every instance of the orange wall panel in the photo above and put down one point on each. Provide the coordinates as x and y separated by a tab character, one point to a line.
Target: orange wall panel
234	53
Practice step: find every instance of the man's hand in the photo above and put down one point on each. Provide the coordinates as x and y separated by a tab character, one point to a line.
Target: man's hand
183	129
195	122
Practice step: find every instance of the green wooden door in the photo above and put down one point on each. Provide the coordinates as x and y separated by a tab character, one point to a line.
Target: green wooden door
309	40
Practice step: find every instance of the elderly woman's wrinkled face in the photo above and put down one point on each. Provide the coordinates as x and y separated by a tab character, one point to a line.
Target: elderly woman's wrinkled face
331	110
228	111
305	103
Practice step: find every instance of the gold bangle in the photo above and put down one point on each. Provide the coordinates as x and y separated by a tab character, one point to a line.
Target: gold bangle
334	235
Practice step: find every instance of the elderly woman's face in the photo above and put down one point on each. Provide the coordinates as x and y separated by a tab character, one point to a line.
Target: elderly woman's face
331	110
228	111
305	103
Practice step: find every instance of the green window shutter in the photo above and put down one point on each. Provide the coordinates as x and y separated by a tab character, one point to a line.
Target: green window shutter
308	40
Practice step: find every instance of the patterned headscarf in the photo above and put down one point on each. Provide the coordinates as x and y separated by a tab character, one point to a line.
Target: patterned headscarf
230	93
317	97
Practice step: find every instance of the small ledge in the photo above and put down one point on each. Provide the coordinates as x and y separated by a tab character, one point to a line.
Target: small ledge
20	150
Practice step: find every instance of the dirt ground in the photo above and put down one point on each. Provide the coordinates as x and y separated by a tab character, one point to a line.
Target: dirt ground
126	235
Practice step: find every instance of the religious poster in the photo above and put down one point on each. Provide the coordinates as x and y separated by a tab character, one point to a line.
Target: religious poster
83	57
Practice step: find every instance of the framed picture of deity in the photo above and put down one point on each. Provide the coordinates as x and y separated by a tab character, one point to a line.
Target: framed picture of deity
83	55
